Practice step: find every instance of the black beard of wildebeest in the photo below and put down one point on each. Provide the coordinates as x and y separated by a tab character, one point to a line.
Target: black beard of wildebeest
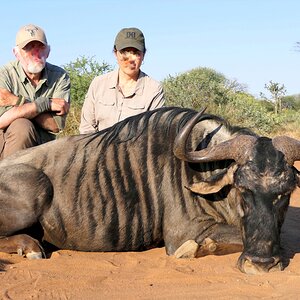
172	175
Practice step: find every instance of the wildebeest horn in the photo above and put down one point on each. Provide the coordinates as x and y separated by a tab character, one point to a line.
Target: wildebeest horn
235	149
289	147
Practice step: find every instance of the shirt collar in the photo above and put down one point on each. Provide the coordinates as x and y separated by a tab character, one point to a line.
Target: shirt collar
21	72
139	85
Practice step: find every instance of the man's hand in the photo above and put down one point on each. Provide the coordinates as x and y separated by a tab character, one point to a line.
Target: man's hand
59	106
7	98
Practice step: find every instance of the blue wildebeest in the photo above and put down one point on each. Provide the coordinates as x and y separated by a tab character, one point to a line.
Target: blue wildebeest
171	175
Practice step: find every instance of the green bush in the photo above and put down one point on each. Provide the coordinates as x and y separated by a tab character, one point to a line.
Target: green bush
82	71
291	102
244	110
198	88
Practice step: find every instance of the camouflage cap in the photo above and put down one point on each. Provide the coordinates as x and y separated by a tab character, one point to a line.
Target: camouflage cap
29	33
130	37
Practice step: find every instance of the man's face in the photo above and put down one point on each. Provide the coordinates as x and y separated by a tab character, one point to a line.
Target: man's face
33	57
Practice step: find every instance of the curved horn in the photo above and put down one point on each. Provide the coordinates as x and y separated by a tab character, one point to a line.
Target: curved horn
235	149
289	147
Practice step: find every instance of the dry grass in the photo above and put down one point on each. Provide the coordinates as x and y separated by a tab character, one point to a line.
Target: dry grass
73	121
291	130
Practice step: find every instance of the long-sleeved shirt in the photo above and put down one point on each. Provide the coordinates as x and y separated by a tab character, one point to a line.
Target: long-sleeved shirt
106	105
54	83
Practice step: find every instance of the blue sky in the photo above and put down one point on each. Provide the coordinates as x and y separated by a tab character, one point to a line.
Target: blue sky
251	41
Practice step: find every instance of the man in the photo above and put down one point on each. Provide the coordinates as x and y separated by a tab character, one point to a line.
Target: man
34	94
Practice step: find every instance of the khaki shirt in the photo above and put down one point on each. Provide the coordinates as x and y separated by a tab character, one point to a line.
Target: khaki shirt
54	83
105	105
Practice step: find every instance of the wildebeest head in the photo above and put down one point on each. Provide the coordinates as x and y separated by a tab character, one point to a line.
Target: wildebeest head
264	177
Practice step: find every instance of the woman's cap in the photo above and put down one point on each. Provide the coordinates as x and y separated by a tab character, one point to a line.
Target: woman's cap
29	33
130	37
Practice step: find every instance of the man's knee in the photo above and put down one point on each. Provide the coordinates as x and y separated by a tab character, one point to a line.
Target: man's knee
20	134
22	129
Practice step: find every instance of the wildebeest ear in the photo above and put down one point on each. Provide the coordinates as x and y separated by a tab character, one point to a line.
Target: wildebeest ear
216	183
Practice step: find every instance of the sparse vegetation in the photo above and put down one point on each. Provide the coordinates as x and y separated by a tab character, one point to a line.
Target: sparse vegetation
195	89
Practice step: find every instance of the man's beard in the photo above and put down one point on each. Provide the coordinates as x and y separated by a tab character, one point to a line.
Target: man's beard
36	67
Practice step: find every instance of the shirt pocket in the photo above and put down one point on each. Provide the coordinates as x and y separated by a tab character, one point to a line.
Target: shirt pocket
105	109
137	106
132	109
106	104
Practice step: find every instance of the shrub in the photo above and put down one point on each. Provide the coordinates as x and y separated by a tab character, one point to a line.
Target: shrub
198	88
244	110
81	72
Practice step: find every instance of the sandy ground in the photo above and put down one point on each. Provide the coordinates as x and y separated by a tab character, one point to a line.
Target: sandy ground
151	274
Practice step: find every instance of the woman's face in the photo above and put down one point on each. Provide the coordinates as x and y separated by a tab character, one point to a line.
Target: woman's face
130	60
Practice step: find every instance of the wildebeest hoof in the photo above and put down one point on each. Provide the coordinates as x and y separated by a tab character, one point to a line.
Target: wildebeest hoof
187	250
208	247
30	255
34	255
23	244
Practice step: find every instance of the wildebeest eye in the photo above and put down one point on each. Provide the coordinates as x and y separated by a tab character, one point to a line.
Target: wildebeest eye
281	200
276	200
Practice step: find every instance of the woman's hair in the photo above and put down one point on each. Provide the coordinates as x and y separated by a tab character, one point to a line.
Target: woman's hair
115	50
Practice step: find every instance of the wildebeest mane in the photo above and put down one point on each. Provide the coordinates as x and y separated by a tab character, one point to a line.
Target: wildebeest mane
133	127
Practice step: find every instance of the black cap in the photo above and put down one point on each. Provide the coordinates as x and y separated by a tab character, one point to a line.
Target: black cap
130	37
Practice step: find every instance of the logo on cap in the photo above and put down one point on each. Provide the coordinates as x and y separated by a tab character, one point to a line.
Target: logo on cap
32	30
130	34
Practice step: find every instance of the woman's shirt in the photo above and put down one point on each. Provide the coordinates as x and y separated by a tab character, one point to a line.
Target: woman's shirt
105	104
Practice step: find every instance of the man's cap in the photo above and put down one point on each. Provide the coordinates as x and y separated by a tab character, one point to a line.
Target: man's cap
130	37
29	33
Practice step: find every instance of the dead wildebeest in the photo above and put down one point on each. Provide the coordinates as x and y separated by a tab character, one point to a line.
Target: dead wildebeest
171	175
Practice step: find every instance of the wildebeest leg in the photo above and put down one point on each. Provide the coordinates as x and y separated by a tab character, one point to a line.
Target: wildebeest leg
25	194
223	239
23	244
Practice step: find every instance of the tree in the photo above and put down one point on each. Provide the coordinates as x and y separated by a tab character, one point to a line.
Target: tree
277	93
81	72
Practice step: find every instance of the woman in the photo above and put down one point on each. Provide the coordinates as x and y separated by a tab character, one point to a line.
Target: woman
122	93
